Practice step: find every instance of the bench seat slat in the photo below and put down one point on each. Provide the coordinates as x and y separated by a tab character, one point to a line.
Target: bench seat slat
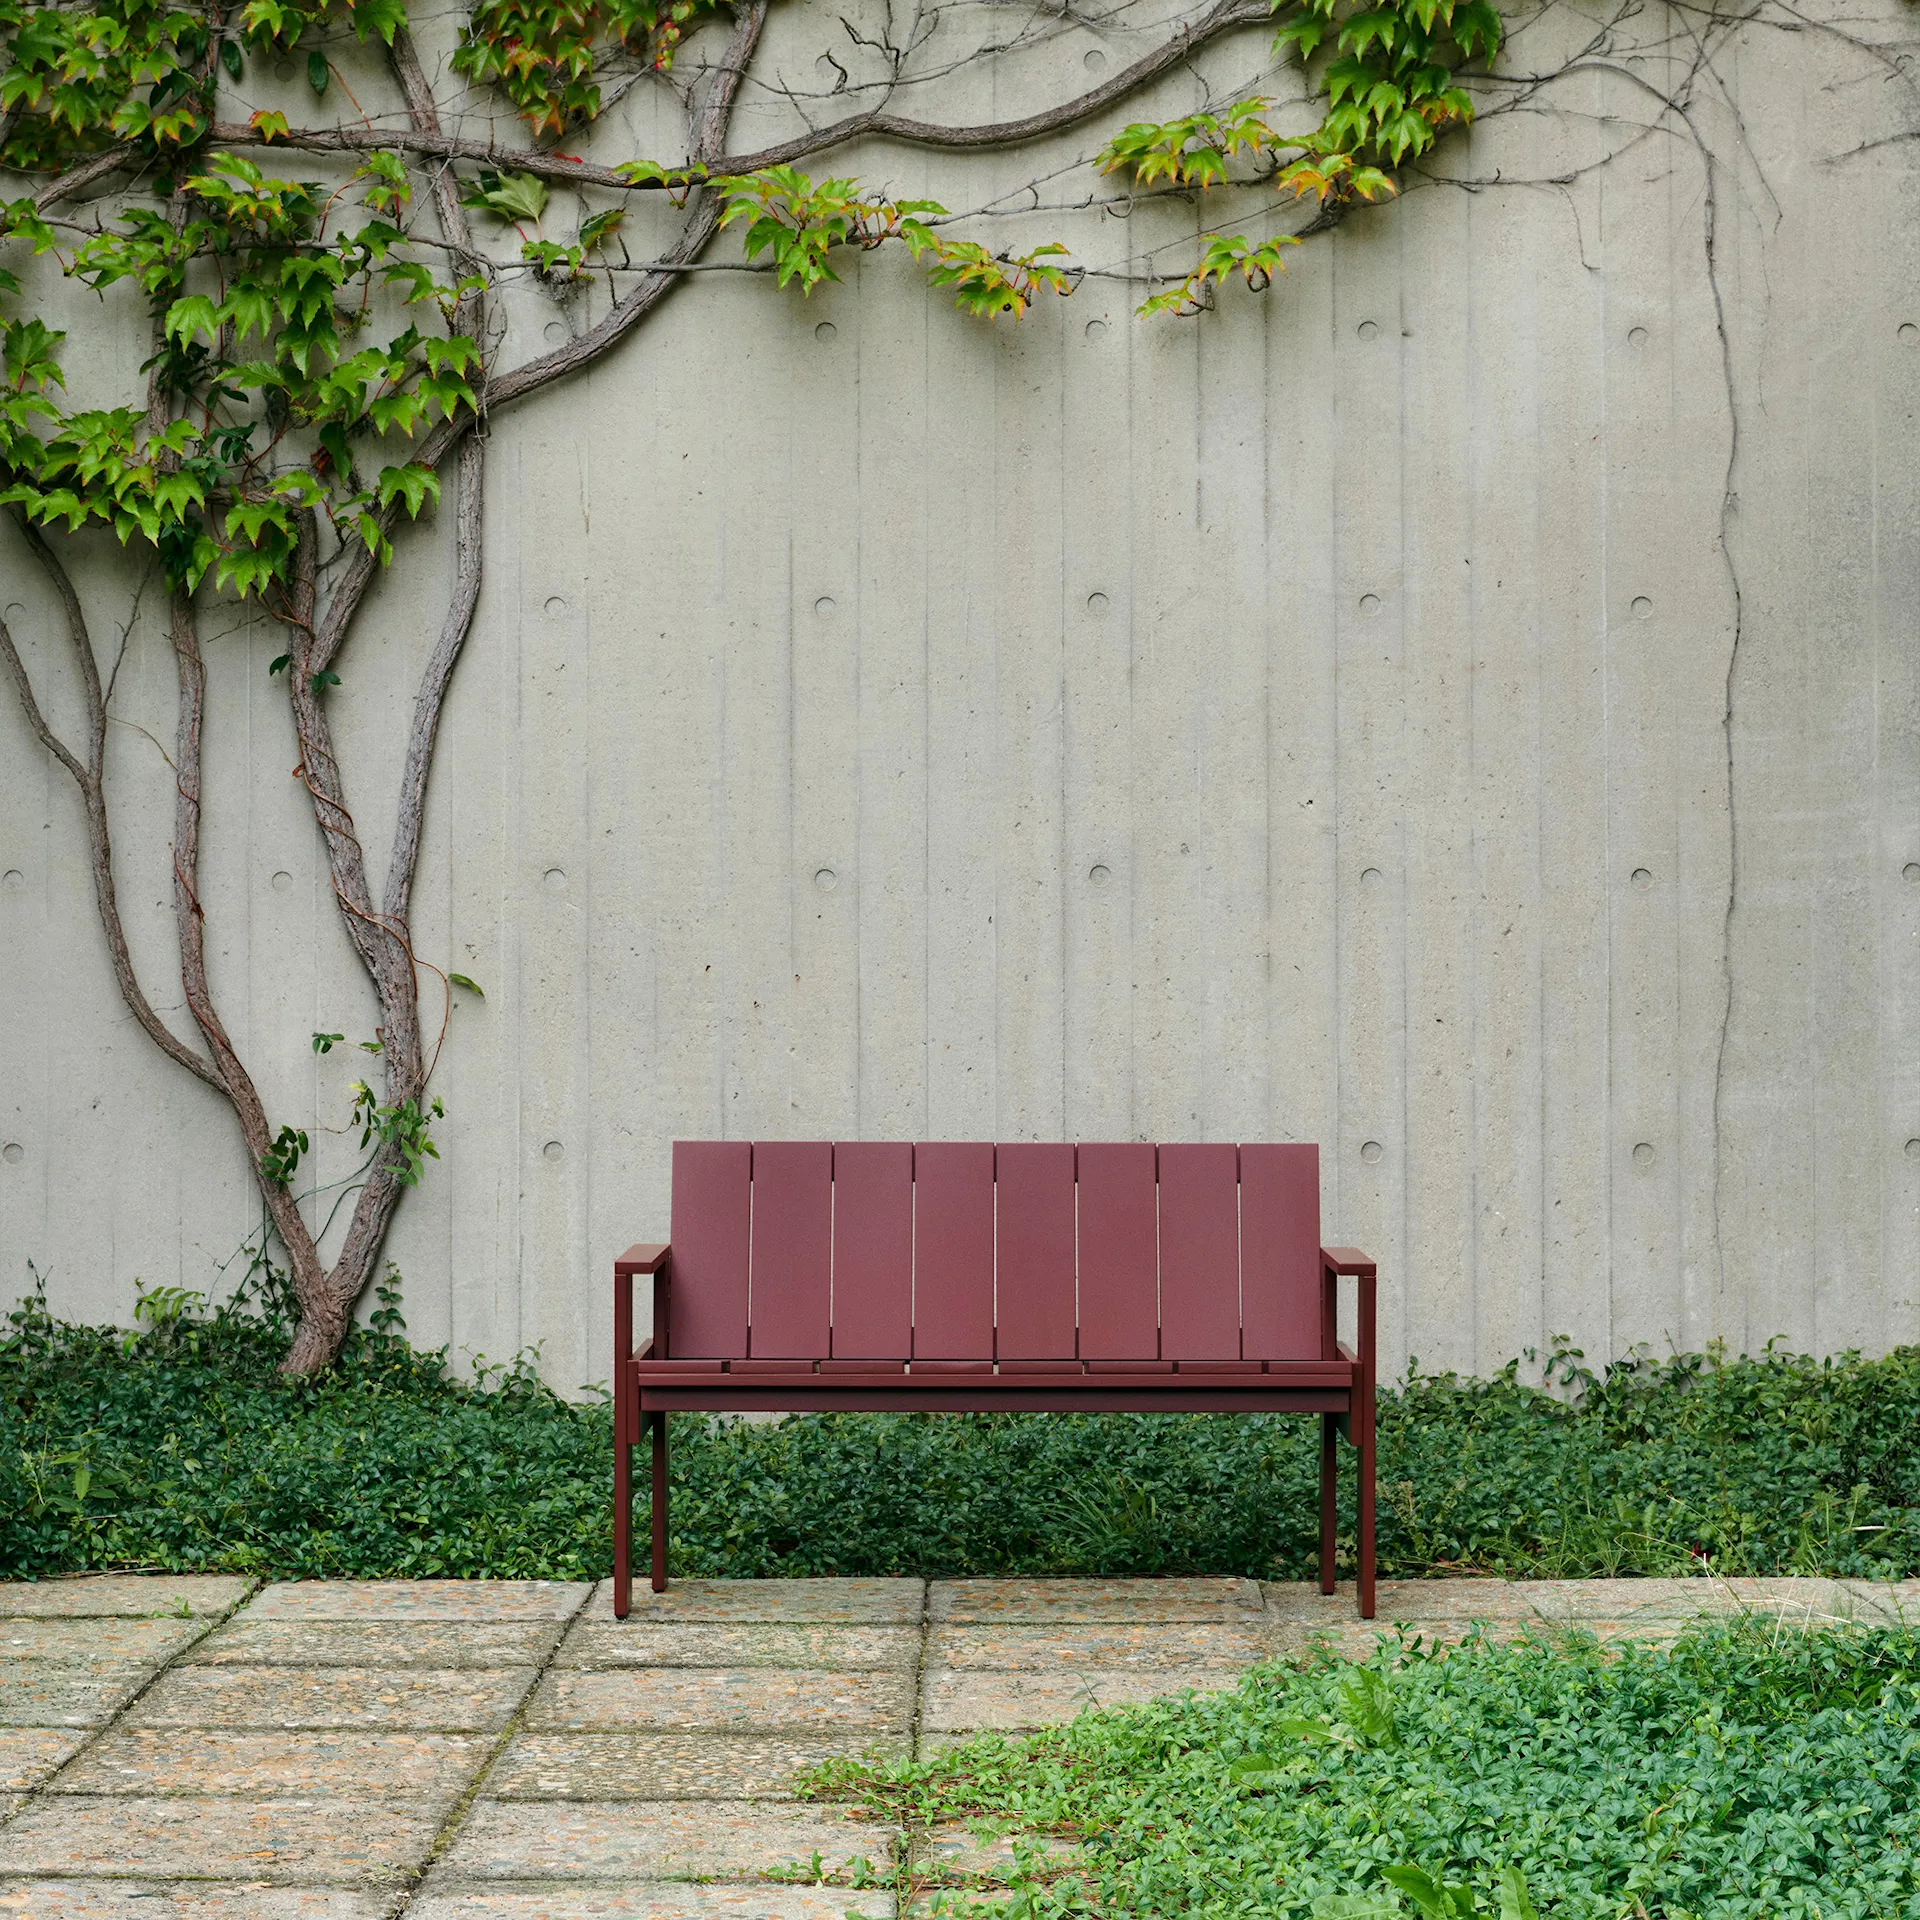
790	1299
1119	1253
872	1250
953	1251
1280	1252
1033	1215
1199	1253
710	1239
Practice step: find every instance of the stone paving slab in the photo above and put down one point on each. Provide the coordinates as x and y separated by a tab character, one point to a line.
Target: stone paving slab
655	1840
1889	1601
875	1602
668	1766
956	1851
1681	1599
247	1642
1032	1647
759	1643
40	1693
739	1699
123	1593
418	1600
957	1702
315	1842
359	1765
326	1697
123	1900
1137	1601
1358	1639
96	1643
659	1900
29	1754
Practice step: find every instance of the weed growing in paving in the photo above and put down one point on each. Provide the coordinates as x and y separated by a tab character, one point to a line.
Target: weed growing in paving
1745	1773
180	1446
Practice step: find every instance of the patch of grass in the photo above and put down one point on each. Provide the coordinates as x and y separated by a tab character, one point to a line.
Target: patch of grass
179	1446
1744	1773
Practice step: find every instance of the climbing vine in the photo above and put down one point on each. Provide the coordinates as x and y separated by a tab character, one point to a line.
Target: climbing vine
324	290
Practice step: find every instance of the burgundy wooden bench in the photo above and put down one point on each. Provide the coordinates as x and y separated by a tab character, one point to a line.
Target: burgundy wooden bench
805	1276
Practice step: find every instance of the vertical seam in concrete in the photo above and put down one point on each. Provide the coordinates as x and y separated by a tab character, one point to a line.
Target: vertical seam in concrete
1065	859
94	1735
1338	971
456	1815
1606	759
1404	1048
580	1107
792	889
859	598
1133	840
926	761
511	883
1477	917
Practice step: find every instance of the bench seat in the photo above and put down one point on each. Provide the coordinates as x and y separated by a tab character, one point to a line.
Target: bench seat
977	1278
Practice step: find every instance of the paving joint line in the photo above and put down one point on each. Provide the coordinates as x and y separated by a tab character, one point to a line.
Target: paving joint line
92	1736
456	1815
906	1866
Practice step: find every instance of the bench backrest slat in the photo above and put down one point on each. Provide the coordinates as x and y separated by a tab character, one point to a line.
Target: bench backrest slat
872	1250
1280	1251
953	1251
1199	1253
961	1251
1119	1253
711	1199
1034	1267
790	1300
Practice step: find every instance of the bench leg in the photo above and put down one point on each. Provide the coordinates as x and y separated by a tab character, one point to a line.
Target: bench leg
622	1506
1329	1488
659	1503
1364	1434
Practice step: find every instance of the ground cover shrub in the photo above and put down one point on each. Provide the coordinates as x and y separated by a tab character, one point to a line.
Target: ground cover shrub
1747	1772
179	1445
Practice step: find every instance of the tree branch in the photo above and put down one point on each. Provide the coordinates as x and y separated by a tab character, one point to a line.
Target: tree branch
431	144
424	111
89	776
77	179
190	926
433	683
1223	17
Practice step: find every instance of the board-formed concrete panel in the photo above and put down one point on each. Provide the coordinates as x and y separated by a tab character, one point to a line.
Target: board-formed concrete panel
1461	707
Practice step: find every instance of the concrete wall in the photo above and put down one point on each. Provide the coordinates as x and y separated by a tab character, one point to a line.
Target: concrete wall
1320	720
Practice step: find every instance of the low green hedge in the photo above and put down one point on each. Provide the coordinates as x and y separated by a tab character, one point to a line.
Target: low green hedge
181	1448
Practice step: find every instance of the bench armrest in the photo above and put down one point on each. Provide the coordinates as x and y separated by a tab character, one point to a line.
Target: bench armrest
643	1258
1336	1262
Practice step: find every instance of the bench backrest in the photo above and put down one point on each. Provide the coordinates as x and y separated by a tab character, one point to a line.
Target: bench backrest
881	1250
